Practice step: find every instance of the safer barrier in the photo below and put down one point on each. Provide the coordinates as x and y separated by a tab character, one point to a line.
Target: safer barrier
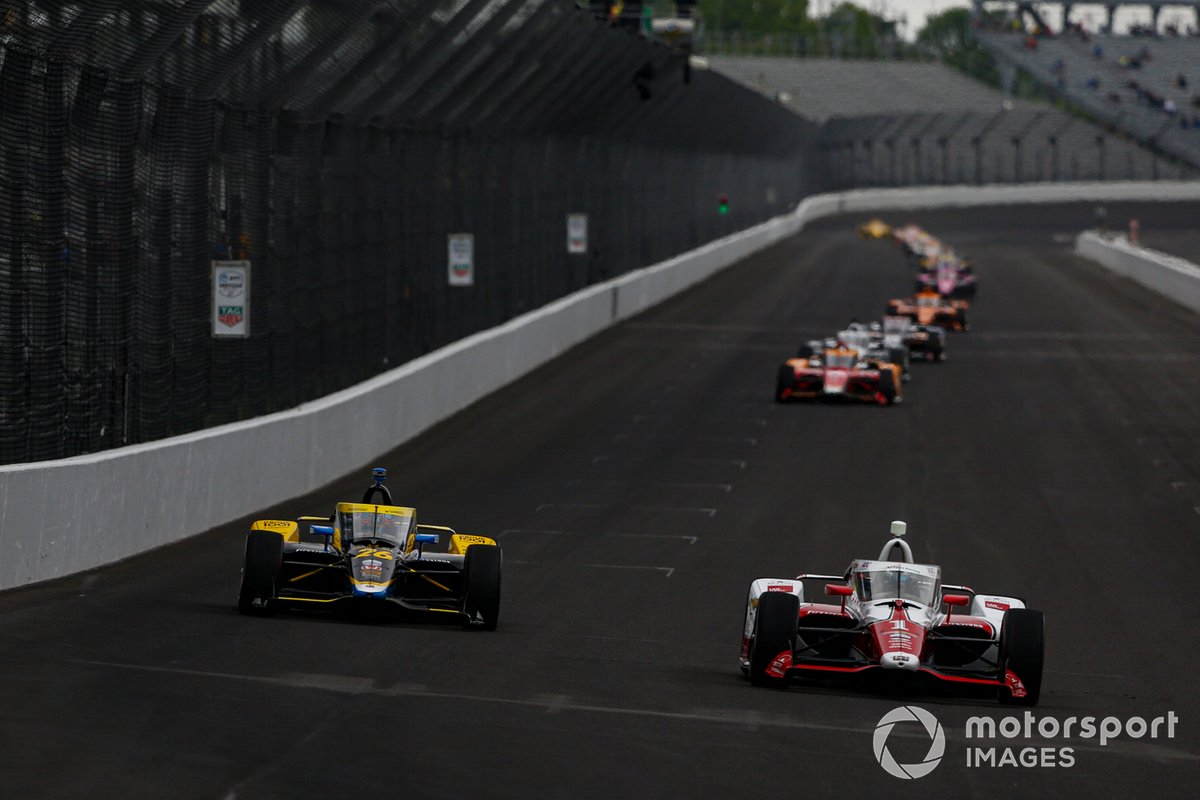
65	516
1176	279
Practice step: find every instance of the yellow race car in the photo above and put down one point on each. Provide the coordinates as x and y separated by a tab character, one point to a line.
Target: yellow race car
875	229
375	558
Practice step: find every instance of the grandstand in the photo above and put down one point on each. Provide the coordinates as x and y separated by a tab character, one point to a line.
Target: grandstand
821	88
895	123
1148	87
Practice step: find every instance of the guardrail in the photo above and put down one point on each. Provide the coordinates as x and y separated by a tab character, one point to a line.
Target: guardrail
1175	278
66	516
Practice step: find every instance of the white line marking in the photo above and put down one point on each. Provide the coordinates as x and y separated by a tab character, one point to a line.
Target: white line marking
737	717
750	440
710	512
758	421
690	539
737	462
569	505
669	571
1177	485
724	487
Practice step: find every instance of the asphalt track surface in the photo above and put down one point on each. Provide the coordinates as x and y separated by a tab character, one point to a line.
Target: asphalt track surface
637	485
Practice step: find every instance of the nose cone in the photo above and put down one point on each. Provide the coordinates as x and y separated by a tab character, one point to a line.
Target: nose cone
899	661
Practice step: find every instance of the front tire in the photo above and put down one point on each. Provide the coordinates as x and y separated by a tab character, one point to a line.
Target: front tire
481	580
785	378
774	632
1023	650
260	571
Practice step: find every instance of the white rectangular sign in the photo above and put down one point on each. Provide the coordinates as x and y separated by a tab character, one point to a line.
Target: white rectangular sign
577	225
231	298
462	259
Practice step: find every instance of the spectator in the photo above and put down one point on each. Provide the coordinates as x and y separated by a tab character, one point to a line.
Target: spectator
1169	106
1181	81
1114	98
1196	101
1058	66
1093	83
1097	51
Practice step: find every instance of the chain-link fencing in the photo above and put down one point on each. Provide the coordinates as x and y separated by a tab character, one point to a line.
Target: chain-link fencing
335	145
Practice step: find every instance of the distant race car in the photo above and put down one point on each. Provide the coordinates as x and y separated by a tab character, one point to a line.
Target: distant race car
375	558
930	308
925	342
949	276
893	620
873	344
829	370
875	229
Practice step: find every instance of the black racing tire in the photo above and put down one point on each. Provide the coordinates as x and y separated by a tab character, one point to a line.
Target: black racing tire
481	583
261	569
1023	650
774	631
900	357
785	378
888	387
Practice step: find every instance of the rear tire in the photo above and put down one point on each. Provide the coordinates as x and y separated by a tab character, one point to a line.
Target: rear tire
481	581
774	632
1023	650
887	386
260	570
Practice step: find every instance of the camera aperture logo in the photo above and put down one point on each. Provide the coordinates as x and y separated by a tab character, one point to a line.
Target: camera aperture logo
1013	741
937	742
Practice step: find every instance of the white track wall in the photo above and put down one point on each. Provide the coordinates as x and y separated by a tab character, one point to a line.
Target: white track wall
63	517
1175	278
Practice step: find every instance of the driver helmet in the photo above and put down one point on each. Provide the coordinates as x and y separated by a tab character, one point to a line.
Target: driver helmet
876	327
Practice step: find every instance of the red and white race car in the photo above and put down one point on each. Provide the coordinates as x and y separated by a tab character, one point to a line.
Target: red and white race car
893	619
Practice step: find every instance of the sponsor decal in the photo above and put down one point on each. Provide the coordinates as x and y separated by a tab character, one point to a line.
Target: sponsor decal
371	569
997	605
231	283
231	316
779	587
780	665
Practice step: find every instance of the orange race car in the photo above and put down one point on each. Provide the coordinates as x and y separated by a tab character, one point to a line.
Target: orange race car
831	370
930	308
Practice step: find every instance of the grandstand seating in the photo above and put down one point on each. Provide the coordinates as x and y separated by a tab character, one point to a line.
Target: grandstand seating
1097	73
897	123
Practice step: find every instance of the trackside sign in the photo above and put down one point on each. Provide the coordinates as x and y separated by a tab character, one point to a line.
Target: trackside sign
231	299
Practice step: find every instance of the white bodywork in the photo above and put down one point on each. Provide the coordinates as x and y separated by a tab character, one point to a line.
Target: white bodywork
895	557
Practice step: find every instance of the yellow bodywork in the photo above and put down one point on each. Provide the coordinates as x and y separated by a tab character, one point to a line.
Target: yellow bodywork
874	229
459	542
289	530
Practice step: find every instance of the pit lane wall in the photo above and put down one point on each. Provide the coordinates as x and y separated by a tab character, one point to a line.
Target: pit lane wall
63	517
1173	277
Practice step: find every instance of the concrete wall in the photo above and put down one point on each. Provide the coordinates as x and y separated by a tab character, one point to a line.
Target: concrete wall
1175	278
62	517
